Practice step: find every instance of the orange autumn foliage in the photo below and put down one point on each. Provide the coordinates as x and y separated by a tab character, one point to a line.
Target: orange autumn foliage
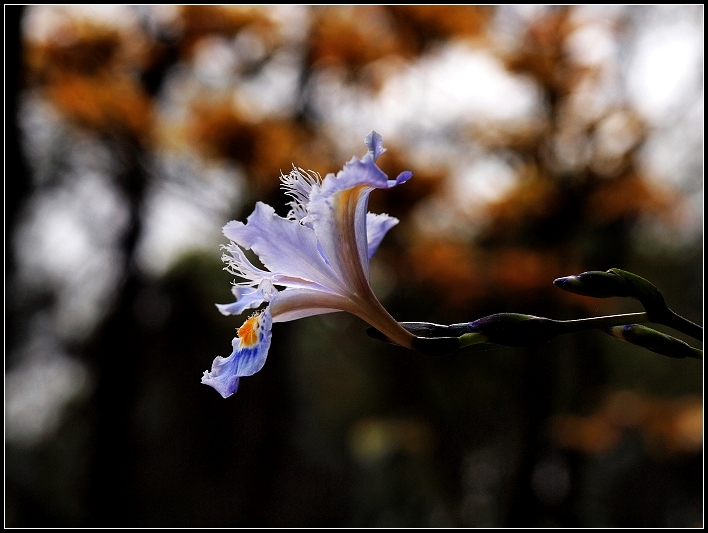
265	148
420	24
105	105
627	196
668	426
351	37
544	55
199	21
447	267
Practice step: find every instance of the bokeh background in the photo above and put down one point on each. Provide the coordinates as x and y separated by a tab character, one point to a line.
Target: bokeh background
544	141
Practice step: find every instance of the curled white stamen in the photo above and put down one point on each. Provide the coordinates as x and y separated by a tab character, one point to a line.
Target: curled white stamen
298	185
239	265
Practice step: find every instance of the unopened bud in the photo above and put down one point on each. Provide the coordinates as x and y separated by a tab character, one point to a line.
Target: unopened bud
644	291
654	341
513	329
596	284
428	329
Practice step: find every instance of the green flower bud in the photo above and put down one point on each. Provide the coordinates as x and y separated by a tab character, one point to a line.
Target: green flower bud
650	297
595	284
513	329
654	341
655	305
428	329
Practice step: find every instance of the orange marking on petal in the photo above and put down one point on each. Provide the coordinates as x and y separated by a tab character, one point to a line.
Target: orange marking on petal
346	199
247	333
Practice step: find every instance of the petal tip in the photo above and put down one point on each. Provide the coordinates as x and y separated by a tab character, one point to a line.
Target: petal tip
230	227
224	387
403	177
374	143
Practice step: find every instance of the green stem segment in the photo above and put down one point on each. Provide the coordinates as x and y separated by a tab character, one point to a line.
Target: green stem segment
513	329
681	324
600	322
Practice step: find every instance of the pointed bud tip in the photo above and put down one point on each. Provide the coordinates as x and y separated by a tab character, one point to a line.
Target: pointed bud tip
595	284
654	341
566	282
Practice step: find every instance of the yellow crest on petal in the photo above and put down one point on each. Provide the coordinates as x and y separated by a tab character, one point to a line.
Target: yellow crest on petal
248	331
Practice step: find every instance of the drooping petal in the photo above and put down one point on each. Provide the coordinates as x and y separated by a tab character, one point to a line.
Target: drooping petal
250	350
377	225
285	247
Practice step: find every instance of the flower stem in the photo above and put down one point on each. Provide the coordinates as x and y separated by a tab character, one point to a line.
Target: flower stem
682	324
599	322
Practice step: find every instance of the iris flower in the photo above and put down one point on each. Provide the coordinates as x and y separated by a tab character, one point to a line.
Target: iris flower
315	261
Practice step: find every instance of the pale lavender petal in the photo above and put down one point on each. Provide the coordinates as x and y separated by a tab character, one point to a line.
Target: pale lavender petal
356	172
401	178
250	350
377	225
291	304
339	221
374	142
337	213
246	298
239	265
285	247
